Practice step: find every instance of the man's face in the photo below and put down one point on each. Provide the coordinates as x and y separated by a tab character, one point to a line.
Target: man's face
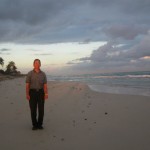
36	64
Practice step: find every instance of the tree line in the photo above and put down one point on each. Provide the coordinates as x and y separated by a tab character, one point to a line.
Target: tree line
11	68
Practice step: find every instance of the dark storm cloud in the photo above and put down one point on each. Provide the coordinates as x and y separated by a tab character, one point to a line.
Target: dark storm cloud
47	21
29	11
128	32
25	20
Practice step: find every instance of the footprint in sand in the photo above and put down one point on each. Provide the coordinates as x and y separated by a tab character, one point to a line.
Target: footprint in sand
73	88
74	123
90	103
82	111
62	139
90	129
127	108
106	113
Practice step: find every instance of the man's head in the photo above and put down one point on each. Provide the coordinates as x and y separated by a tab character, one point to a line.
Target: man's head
37	64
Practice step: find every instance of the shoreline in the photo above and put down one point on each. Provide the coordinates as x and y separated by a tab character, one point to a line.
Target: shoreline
87	87
110	90
132	83
95	88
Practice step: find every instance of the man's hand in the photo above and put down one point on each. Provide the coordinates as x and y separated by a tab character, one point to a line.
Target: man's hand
46	96
28	97
45	92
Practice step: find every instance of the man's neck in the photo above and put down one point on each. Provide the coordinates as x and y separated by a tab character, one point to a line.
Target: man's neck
37	70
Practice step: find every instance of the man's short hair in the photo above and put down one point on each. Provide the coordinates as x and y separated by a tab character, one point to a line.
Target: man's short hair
37	60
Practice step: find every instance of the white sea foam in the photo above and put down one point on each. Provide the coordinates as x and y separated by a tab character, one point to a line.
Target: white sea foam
119	90
138	76
125	76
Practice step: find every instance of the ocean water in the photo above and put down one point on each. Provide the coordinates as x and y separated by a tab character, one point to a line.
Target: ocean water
132	83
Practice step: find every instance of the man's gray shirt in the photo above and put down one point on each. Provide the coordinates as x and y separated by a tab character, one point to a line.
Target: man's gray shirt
36	80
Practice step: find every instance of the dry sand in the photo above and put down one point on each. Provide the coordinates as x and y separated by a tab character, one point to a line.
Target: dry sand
76	118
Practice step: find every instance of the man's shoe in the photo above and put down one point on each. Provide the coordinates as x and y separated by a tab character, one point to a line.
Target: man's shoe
40	127
34	128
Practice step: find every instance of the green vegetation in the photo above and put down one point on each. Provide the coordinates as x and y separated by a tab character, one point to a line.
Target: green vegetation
11	68
1	61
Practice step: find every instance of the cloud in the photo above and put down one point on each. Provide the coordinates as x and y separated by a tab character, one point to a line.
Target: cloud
112	56
5	53
86	41
37	52
141	49
43	54
33	50
4	49
123	24
127	32
49	21
145	58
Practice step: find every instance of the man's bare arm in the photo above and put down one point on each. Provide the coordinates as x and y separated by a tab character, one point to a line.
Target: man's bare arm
27	91
45	91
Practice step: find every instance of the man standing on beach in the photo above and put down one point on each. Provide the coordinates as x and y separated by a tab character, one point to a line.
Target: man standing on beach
36	93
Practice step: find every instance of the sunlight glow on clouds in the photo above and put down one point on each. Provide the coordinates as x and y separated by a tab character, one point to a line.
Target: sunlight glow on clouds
146	58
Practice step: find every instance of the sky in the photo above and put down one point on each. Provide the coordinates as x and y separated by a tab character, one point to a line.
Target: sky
76	36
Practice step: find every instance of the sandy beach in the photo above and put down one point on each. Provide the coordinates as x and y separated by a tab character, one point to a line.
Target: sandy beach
76	118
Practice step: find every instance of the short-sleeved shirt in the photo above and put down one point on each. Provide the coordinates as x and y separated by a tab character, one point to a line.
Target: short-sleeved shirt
36	80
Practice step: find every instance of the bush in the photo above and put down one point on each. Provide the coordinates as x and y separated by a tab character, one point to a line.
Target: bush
2	72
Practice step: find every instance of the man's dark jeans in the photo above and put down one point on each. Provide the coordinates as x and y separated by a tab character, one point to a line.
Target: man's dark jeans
36	102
